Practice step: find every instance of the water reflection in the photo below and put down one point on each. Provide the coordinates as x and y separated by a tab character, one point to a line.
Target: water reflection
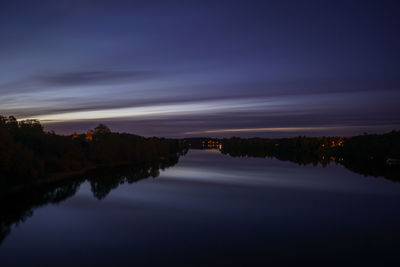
102	181
18	203
212	167
366	167
210	209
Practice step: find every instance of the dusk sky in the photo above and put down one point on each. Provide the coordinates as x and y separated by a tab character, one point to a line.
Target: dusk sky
203	68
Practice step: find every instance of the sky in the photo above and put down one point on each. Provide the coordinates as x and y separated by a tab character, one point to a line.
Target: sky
203	68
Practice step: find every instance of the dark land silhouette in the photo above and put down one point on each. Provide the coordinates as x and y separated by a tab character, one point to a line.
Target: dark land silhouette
29	154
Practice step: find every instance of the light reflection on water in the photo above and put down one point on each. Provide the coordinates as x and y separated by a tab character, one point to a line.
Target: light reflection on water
211	167
212	209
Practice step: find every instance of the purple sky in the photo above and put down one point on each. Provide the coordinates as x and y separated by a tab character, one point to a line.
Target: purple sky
194	68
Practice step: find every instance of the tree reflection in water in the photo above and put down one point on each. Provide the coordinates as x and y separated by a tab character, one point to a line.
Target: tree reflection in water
18	203
361	166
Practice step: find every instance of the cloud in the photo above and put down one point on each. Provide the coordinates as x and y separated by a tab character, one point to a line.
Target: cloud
42	82
161	110
94	77
274	129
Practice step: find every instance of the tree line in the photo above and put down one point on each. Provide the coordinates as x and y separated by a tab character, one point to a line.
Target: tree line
27	152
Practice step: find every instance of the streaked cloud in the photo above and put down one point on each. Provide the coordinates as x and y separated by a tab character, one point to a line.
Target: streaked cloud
46	80
94	77
277	129
186	108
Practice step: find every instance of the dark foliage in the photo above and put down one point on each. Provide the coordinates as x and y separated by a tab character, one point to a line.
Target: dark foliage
28	153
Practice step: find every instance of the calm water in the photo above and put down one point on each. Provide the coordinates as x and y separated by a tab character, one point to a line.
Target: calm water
212	209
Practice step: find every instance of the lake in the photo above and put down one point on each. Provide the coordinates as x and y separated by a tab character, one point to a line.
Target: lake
208	209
